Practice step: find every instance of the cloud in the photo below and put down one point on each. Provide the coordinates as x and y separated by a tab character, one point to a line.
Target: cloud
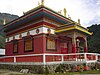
16	6
98	2
87	10
96	14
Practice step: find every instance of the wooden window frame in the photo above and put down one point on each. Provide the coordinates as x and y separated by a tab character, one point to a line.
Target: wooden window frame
47	44
28	38
15	42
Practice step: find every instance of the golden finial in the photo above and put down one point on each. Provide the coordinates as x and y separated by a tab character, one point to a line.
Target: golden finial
4	22
42	2
38	3
24	13
28	33
79	21
65	11
69	17
59	11
20	36
13	37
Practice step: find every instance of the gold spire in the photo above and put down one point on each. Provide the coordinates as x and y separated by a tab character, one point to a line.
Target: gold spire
42	2
23	13
65	11
38	3
4	22
60	11
69	17
79	21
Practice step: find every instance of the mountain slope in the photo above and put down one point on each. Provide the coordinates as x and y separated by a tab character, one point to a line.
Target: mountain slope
94	40
7	17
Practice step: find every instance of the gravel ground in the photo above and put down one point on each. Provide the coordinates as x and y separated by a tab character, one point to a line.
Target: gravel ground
7	72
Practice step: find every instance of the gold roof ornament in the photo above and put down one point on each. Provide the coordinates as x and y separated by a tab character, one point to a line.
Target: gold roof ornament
38	3
69	17
79	22
65	12
23	13
42	2
60	11
4	21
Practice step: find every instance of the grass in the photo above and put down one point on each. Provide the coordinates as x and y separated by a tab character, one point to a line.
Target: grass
68	73
26	74
18	74
84	72
2	72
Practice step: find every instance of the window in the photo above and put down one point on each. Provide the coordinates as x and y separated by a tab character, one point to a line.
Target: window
15	46
51	44
28	44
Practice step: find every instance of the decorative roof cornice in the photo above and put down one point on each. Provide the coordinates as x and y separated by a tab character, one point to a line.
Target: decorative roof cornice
74	27
36	10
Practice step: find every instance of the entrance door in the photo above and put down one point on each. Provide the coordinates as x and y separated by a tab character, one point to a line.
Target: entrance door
63	48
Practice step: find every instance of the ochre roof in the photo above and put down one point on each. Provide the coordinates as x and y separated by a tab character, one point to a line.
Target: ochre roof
73	27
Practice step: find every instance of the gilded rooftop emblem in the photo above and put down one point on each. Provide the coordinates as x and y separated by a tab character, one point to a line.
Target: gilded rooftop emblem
42	2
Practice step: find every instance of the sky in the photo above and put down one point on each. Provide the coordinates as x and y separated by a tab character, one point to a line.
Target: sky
88	11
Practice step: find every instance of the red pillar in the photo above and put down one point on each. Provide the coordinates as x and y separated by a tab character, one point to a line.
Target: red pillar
69	47
74	44
73	48
85	48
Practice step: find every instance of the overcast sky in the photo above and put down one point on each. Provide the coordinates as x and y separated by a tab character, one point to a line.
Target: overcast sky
87	10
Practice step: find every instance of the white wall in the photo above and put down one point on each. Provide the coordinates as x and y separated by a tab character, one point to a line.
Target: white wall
2	51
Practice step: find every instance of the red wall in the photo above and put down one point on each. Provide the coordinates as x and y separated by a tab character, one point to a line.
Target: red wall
57	51
9	59
52	58
21	46
9	48
38	43
30	59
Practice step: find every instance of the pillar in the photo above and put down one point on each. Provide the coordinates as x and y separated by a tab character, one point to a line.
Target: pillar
85	47
14	59
74	43
77	45
44	59
69	47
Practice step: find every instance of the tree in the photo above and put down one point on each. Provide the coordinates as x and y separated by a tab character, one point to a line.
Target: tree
94	40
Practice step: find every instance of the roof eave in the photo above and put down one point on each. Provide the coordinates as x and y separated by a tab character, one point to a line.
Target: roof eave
74	28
